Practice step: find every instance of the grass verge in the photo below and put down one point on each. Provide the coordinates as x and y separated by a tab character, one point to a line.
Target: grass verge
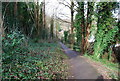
112	69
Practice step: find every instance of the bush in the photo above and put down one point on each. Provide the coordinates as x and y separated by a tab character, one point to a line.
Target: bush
14	53
71	38
12	47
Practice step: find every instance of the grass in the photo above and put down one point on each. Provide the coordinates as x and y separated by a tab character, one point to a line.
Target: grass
112	67
42	61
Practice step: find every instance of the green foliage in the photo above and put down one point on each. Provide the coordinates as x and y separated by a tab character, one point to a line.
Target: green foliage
113	68
36	61
52	28
71	37
65	36
78	29
12	47
102	40
106	29
24	17
19	19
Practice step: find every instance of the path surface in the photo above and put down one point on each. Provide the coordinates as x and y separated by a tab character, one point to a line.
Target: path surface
79	69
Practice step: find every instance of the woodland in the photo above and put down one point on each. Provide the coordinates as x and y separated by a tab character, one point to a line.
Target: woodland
30	38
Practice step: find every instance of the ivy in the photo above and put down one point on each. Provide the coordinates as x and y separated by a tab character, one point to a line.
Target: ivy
65	36
106	28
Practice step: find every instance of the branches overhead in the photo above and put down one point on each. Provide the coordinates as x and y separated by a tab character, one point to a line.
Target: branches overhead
64	15
63	20
65	4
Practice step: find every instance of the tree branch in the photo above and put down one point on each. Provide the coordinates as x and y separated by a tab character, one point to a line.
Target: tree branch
63	20
65	5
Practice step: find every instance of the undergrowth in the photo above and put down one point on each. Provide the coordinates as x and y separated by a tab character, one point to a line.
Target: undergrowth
34	61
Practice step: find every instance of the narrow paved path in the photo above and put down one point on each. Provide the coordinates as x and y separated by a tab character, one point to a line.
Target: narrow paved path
79	69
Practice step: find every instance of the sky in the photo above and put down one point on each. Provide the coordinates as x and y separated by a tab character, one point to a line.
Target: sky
59	10
53	7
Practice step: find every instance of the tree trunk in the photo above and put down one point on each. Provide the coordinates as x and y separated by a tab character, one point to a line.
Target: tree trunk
89	22
44	21
15	15
38	19
35	16
72	23
52	28
82	25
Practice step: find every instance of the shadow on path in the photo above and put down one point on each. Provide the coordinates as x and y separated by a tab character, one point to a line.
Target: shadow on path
79	68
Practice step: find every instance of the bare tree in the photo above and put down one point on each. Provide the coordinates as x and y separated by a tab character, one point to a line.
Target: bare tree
71	7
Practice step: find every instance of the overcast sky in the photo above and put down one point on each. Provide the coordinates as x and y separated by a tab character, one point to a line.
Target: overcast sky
53	7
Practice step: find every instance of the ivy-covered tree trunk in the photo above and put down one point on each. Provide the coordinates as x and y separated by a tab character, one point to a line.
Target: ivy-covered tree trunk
82	25
52	28
90	11
78	28
65	36
106	28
